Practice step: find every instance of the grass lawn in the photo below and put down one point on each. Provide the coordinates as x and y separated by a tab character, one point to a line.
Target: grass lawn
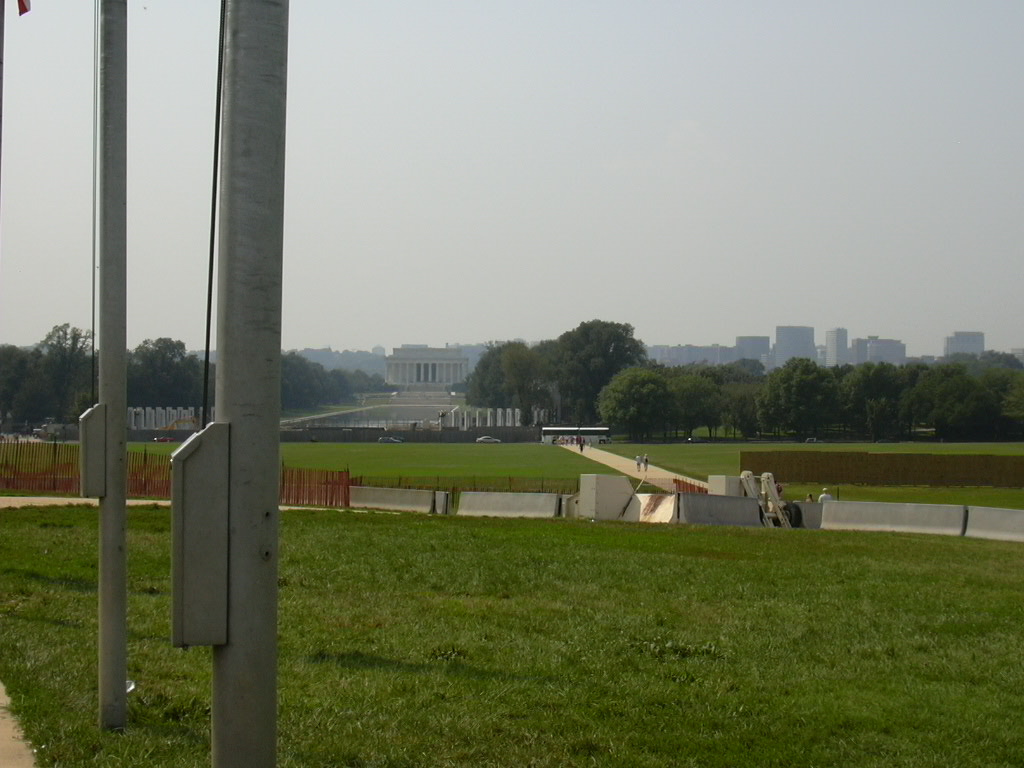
446	465
703	459
438	641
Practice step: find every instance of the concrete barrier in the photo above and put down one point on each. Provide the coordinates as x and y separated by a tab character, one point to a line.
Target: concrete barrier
656	507
702	509
604	497
481	504
442	503
570	506
943	519
995	523
810	512
397	499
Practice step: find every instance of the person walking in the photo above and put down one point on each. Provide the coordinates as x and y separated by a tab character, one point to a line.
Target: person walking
646	462
639	462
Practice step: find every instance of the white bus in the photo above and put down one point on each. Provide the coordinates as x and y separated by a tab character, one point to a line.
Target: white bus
591	435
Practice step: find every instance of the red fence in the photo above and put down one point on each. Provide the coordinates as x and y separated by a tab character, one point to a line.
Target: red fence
685	486
52	468
315	487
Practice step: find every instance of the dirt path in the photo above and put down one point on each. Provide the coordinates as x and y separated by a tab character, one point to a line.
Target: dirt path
15	752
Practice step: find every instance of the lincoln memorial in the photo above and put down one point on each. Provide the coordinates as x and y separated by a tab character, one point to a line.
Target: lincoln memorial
413	367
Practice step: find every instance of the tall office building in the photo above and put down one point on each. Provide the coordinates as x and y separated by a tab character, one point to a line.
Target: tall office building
964	342
753	347
876	350
836	352
794	341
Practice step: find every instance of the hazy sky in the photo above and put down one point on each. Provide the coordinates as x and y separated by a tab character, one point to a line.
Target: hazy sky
473	171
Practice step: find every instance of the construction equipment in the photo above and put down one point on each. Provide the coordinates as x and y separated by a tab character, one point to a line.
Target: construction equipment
775	513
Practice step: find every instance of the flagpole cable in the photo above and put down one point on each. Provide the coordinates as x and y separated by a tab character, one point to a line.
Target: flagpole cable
95	176
213	209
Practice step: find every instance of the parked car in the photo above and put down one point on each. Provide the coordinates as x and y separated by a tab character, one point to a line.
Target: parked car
390	439
164	439
487	439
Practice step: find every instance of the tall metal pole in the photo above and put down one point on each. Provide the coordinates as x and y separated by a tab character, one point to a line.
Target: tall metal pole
248	386
3	17
112	133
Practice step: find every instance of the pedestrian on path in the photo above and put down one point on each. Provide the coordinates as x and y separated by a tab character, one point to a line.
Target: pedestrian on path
646	463
639	462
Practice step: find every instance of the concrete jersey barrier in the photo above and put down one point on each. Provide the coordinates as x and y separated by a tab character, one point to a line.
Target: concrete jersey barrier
483	504
942	519
702	509
995	523
396	499
604	497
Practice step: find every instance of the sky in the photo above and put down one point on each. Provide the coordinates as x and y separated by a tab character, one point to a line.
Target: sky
463	172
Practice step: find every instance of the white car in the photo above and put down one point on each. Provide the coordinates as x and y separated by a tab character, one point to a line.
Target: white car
487	439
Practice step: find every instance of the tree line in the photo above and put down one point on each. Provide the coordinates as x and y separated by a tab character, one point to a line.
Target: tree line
598	372
563	376
968	399
54	380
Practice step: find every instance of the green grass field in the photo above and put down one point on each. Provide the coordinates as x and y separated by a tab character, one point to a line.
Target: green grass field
437	641
703	459
465	465
460	463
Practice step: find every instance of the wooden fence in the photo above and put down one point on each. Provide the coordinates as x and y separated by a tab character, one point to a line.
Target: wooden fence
52	469
685	486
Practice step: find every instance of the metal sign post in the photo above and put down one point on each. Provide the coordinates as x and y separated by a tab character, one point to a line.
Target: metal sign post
248	386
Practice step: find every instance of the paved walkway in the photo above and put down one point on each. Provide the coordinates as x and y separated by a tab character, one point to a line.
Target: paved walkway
15	752
656	476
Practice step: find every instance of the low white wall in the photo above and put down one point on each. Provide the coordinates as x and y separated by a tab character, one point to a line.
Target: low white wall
397	499
725	485
604	497
810	513
482	504
570	505
706	509
943	519
442	503
995	523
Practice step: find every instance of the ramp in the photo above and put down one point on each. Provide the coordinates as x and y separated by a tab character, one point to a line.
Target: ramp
657	507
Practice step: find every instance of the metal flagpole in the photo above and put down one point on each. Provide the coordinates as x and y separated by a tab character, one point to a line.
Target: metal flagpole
103	438
248	388
3	16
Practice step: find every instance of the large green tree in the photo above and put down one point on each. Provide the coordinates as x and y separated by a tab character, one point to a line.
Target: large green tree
486	385
525	378
162	373
67	367
697	402
870	396
589	356
636	400
954	403
800	397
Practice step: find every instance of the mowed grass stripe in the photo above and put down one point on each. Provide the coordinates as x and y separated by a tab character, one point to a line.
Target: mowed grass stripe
432	641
